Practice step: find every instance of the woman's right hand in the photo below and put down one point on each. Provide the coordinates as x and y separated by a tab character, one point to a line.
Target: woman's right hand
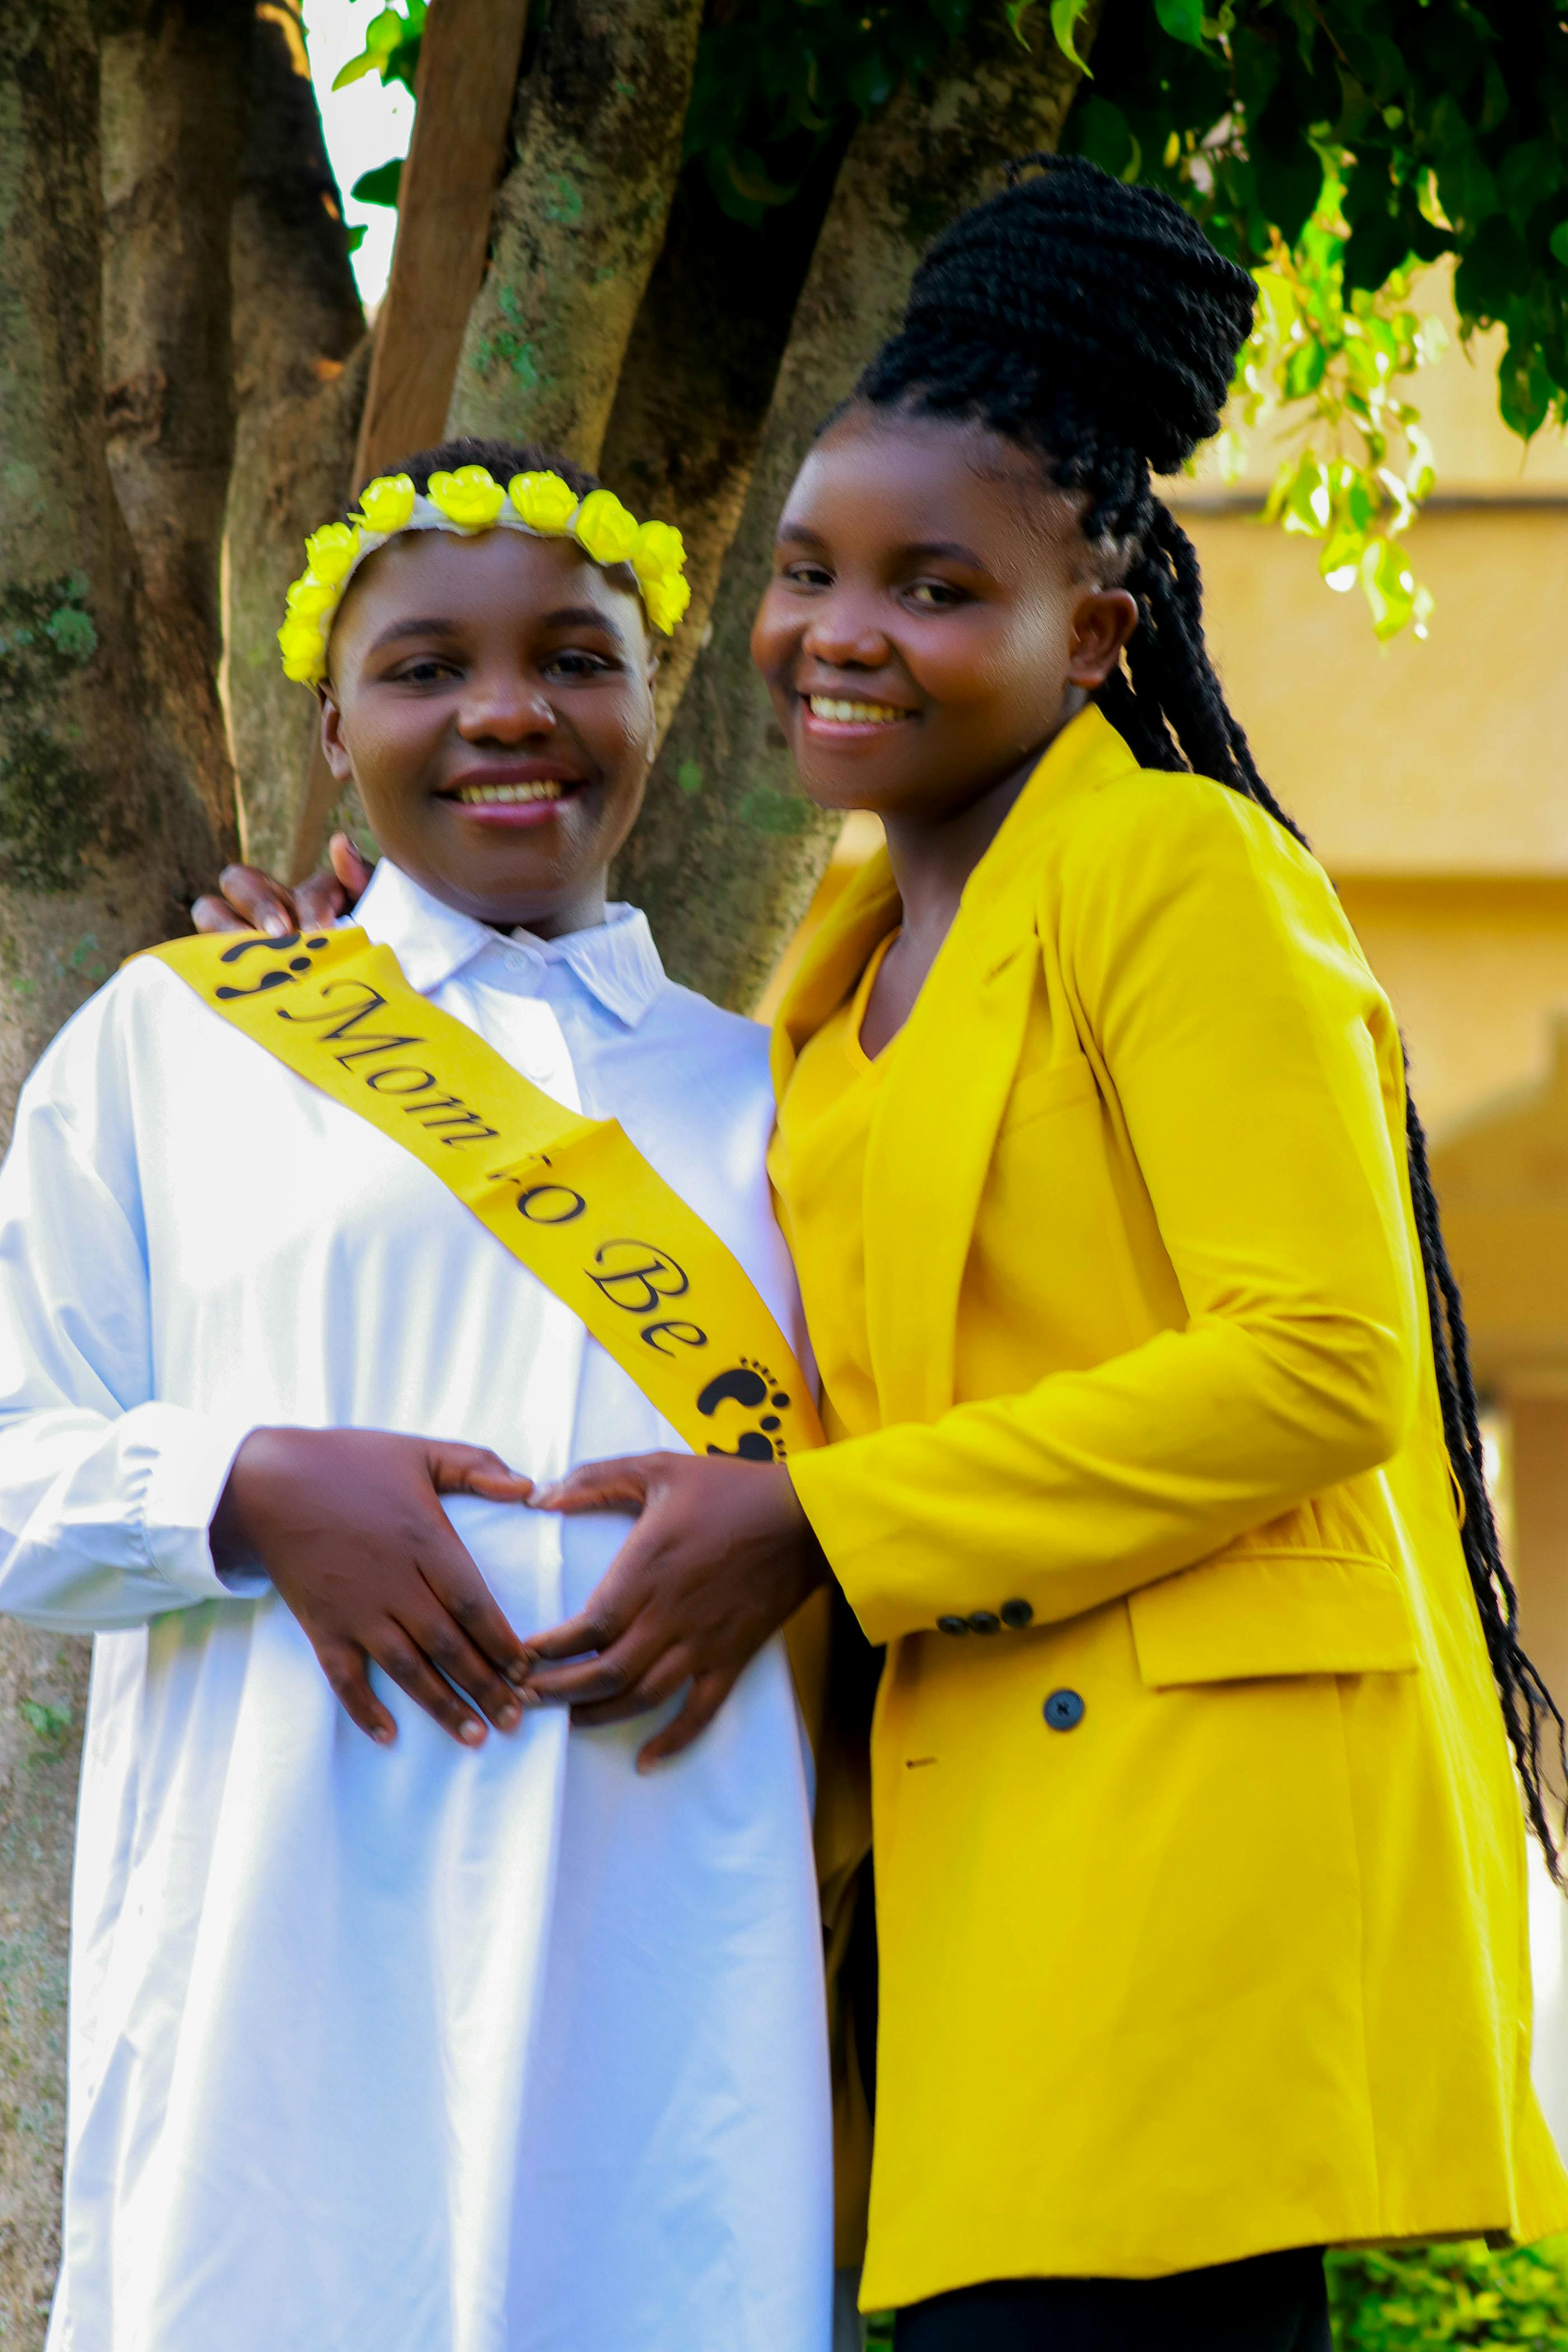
348	1524
252	901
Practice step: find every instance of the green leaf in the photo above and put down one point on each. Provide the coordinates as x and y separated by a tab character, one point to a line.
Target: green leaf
1557	243
1183	20
1066	18
1524	389
379	186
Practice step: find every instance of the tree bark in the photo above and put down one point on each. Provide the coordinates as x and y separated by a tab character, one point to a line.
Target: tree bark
728	851
468	59
171	89
104	829
579	222
698	377
301	357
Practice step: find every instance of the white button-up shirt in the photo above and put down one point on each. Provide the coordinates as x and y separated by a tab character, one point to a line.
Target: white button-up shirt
415	2049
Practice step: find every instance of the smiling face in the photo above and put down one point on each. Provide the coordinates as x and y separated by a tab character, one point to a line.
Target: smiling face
492	699
935	618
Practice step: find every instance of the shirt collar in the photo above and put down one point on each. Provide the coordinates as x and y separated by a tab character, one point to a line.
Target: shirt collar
616	960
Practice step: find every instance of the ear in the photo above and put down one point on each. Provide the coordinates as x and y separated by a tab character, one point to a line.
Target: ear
332	744
1103	620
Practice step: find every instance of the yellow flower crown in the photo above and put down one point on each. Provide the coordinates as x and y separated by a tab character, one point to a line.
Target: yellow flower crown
468	501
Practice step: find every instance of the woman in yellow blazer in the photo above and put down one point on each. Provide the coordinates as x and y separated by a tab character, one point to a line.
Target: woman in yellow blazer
1199	1856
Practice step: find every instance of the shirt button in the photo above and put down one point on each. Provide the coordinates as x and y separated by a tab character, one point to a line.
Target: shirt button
1017	1614
982	1620
952	1624
1064	1710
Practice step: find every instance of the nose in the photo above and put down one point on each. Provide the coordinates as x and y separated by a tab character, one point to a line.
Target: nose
842	633
505	708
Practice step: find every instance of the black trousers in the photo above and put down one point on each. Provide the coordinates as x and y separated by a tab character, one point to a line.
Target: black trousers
1275	2303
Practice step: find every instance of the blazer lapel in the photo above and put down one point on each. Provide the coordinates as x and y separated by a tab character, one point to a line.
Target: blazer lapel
834	962
947	1087
929	1149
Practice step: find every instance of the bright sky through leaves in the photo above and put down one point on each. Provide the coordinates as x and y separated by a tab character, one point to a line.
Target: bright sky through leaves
365	124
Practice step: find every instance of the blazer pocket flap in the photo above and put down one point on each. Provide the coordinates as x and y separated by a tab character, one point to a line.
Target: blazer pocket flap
1247	1614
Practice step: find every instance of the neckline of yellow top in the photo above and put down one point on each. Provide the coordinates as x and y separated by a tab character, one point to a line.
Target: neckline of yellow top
861	999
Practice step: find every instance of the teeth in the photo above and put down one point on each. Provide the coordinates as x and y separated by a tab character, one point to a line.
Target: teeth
825	706
506	795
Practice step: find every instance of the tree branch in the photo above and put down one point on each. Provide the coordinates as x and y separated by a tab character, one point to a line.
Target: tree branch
578	223
169	104
729	851
301	358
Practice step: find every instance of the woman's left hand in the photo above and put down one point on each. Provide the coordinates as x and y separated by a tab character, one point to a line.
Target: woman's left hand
721	1556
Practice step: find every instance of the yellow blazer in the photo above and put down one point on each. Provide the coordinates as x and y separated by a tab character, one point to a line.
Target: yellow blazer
1201	1895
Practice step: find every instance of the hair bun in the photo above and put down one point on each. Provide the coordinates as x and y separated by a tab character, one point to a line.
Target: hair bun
1112	292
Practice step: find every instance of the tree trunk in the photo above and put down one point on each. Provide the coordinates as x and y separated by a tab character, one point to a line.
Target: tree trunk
171	95
728	851
699	374
468	59
579	222
105	828
301	357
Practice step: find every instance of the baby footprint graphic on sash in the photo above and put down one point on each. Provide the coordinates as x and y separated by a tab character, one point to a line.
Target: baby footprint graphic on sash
749	1385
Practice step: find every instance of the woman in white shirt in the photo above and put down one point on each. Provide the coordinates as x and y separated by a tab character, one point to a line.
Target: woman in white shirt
466	2036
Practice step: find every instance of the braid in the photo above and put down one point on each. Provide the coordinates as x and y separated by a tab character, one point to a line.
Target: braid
1095	325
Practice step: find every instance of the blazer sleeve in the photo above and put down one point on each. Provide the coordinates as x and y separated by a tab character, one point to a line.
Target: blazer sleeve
1240	1032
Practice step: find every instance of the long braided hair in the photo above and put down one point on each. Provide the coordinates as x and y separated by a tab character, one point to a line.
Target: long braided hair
1094	324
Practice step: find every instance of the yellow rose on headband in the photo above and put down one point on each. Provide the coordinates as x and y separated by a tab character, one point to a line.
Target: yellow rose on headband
304	655
470	498
604	529
330	551
665	602
309	596
386	503
543	501
659	552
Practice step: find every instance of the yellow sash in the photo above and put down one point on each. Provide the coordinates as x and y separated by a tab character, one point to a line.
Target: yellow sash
571	1197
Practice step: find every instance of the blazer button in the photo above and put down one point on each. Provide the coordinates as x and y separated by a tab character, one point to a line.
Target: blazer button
982	1621
952	1624
1017	1614
1064	1710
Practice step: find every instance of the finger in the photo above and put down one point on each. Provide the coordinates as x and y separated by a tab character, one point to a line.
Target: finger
396	1655
448	1568
703	1700
344	1667
622	1485
264	904
351	870
618	1669
320	902
435	1632
475	1470
209	914
651	1689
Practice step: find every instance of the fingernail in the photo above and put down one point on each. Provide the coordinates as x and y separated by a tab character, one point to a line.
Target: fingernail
472	1734
278	927
509	1717
383	1738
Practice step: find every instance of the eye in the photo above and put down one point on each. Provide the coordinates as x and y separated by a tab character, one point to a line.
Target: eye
579	661
423	669
806	574
934	595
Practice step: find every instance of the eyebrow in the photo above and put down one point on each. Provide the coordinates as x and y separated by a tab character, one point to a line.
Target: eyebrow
567	616
953	551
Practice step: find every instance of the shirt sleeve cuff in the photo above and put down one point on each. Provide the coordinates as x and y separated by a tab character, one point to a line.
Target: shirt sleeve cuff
187	1457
